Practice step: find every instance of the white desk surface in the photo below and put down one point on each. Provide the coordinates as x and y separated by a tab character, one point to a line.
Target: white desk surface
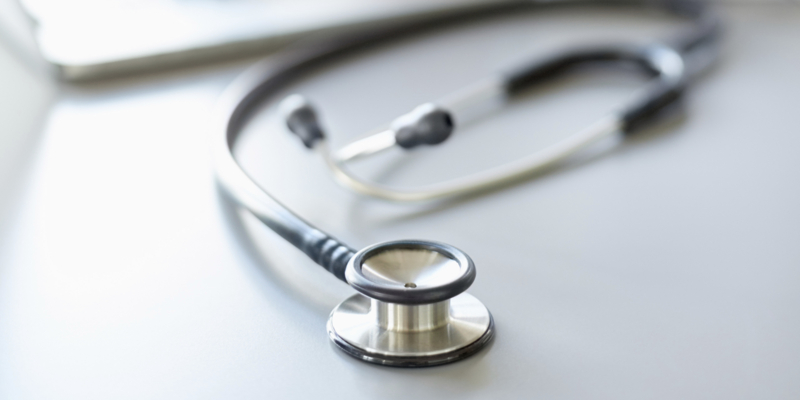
664	268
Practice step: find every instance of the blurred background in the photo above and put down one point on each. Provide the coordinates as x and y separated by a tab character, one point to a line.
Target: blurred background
665	268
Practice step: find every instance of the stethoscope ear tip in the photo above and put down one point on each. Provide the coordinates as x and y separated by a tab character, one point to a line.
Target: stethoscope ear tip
302	120
411	310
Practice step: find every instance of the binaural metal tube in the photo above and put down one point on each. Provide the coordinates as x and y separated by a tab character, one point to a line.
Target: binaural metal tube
367	146
486	180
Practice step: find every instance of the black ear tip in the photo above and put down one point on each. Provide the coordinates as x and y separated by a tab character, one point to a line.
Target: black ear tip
426	124
301	119
441	128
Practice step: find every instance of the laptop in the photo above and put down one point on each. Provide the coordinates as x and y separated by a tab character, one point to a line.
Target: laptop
89	39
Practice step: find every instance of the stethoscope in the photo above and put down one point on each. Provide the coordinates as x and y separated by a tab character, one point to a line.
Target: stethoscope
412	309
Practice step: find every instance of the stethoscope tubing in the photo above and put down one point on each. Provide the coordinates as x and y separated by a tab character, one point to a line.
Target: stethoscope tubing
274	73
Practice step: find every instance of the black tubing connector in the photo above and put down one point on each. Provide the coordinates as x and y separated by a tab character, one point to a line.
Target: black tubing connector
329	253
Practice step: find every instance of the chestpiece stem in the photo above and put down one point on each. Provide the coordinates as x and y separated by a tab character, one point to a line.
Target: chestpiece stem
411	318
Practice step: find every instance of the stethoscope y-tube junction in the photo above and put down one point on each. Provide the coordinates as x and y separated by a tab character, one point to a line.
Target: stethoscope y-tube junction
412	308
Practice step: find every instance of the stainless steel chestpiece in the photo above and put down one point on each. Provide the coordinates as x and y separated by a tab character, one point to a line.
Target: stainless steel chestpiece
412	309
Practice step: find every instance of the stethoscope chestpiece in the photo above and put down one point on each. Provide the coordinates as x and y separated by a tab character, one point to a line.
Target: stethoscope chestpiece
411	310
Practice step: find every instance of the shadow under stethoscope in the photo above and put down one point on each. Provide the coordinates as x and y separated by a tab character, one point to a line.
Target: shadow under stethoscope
466	375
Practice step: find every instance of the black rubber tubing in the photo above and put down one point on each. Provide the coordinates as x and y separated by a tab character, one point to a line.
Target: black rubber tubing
284	67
